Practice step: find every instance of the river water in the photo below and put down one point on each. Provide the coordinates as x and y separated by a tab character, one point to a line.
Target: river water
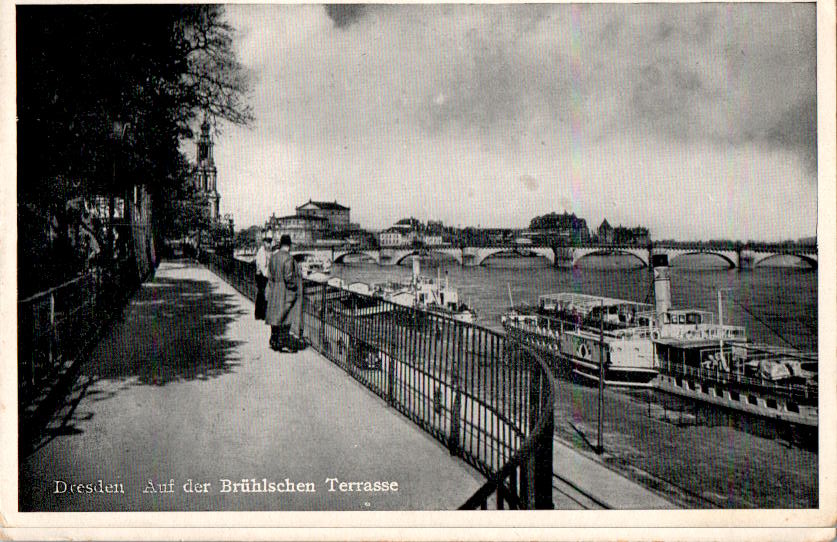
707	462
777	305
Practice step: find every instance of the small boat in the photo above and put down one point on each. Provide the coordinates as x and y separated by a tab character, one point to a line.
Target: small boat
427	294
310	265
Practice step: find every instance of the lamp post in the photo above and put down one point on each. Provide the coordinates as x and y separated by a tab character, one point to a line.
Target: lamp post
599	443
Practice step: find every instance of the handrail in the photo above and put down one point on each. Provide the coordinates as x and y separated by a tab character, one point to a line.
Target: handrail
46	292
486	396
534	442
55	326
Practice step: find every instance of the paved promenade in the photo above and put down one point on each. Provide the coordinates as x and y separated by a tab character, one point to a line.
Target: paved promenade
185	387
184	391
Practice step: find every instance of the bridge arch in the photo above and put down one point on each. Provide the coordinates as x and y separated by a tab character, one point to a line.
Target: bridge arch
400	257
761	258
482	258
485	254
340	256
731	262
639	254
452	253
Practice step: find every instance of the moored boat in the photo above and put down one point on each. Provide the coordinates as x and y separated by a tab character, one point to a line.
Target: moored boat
427	294
686	352
579	330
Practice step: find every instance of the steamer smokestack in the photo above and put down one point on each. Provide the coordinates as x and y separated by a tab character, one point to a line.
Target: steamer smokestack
416	268
662	283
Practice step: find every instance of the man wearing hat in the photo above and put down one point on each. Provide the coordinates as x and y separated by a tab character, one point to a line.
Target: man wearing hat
262	260
282	291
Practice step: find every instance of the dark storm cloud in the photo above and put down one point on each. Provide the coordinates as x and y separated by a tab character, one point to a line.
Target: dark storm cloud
344	15
796	130
691	109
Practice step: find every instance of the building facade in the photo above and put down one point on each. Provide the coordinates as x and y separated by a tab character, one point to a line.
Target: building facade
336	214
396	237
206	174
605	232
303	230
637	236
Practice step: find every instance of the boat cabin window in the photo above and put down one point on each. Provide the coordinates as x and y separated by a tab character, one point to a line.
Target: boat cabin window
681	318
692	318
666	318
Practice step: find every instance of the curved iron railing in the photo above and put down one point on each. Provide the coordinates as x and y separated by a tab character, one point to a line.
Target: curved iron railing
489	399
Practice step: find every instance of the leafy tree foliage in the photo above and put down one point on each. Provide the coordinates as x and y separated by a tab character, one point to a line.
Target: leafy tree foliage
106	94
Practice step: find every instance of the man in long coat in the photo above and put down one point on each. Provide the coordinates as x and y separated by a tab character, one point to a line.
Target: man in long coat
282	293
262	260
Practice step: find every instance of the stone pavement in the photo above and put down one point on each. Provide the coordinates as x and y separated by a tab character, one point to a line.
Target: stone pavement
592	479
185	388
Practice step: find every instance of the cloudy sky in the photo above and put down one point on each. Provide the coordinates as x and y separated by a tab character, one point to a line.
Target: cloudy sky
698	121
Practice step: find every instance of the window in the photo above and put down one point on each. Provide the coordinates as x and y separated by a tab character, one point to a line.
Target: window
752	399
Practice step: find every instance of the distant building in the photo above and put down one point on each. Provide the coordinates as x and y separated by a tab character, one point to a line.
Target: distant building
435	227
362	238
303	230
631	236
565	226
432	240
409	224
605	232
336	214
395	237
206	174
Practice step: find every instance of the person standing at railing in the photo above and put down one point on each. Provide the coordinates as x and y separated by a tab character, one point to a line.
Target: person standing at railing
282	293
262	261
297	340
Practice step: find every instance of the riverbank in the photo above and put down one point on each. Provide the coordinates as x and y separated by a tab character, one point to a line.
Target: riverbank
684	459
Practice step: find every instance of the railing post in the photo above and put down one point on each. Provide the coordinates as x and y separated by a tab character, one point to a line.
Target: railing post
453	438
390	380
322	332
51	332
530	465
543	450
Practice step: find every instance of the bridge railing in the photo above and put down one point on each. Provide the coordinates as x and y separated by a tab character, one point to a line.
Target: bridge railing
487	398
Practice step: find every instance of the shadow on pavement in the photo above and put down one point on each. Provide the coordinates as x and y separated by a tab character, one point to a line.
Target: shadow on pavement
172	330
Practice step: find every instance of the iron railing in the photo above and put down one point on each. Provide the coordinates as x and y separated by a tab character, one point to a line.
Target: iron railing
489	399
56	325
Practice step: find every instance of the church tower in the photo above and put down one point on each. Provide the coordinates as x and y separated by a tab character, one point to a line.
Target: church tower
206	173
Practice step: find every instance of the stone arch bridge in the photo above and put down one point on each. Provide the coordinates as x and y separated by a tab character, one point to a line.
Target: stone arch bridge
737	258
